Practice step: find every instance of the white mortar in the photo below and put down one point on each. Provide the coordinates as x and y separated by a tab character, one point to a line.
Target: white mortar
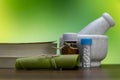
98	48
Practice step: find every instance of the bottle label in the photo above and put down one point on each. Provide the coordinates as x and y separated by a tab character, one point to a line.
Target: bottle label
86	56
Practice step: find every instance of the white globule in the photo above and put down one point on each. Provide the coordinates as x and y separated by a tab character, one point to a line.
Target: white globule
86	59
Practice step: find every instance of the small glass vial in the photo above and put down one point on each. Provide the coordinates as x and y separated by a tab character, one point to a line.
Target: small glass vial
69	43
86	52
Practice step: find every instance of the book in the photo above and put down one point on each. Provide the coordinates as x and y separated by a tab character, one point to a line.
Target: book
9	52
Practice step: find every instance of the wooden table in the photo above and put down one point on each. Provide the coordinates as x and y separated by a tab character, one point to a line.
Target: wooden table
105	72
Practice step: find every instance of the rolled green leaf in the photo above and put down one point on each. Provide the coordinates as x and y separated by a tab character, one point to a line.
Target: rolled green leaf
48	62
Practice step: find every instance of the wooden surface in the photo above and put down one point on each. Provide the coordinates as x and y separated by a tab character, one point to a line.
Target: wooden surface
105	72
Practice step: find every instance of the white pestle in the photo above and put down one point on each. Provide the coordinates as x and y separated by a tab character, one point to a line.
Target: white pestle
99	26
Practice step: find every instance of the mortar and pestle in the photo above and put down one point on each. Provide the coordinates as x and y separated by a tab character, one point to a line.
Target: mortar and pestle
95	30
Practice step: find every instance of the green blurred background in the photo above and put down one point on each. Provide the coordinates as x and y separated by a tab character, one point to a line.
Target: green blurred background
46	20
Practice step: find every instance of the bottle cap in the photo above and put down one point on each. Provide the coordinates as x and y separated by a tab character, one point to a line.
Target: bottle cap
86	41
70	37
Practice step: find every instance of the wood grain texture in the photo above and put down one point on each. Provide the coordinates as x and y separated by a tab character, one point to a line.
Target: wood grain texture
105	72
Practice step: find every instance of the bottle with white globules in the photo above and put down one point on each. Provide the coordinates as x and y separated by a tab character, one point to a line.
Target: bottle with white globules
86	52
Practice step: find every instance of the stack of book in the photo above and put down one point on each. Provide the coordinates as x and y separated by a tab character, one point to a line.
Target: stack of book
9	52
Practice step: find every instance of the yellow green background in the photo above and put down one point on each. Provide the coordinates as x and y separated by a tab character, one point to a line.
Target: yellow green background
46	20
